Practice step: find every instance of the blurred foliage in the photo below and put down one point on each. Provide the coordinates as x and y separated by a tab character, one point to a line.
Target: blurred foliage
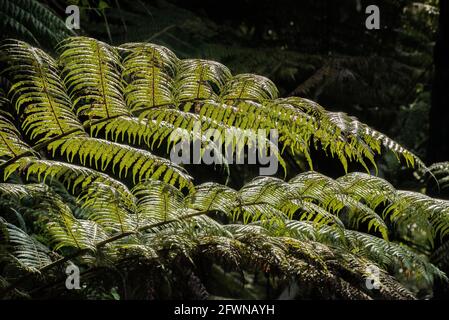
31	21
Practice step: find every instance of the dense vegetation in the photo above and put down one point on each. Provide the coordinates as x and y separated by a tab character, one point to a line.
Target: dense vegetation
86	180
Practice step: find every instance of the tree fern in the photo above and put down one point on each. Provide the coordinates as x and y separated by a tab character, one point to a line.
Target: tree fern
83	184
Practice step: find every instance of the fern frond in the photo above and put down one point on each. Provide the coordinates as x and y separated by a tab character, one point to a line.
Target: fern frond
37	92
92	74
249	87
18	191
64	229
109	209
85	123
12	143
372	190
413	204
200	80
70	175
158	201
440	171
213	197
149	70
233	138
103	154
315	186
153	133
19	248
45	99
388	254
360	213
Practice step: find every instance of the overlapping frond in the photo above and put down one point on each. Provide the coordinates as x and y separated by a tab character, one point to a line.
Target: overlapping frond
200	80
149	70
96	76
49	118
158	201
413	204
82	126
91	71
37	92
11	142
157	79
112	220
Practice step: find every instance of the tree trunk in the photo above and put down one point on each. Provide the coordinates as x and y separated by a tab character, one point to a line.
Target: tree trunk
438	147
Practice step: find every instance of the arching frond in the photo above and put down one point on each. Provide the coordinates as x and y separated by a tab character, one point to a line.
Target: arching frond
213	197
83	127
250	87
37	92
70	175
370	189
440	171
103	154
149	70
19	191
388	254
109	209
200	80
158	201
412	204
318	187
12	144
92	74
